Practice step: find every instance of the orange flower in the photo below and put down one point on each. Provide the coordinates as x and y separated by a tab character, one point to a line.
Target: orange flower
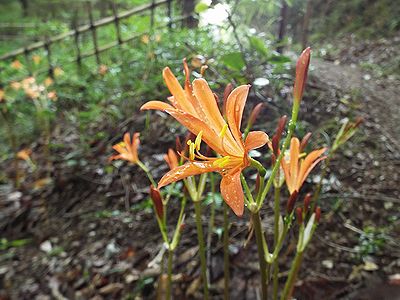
103	70
52	95
127	150
36	59
297	169
24	154
16	64
171	159
195	108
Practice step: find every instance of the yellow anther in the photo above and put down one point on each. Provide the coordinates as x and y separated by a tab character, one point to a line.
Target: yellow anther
302	155
223	131
188	142
122	144
197	142
191	151
221	162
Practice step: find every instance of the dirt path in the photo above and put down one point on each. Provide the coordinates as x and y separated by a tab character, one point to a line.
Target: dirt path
379	100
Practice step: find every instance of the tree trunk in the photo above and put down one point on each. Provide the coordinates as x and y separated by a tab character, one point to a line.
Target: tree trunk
24	5
282	26
188	10
306	23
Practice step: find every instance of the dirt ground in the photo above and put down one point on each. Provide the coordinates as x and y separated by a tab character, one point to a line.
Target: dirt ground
84	243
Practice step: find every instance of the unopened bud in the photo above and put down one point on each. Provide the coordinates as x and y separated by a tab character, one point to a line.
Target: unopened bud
299	215
358	122
227	91
304	141
307	201
254	114
291	202
301	74
278	134
157	201
317	214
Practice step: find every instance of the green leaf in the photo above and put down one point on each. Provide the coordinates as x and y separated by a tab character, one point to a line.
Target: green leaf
200	7
279	59
234	61
258	45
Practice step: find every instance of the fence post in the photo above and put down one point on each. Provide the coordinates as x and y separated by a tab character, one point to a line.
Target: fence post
152	14
28	61
49	60
116	22
169	13
94	34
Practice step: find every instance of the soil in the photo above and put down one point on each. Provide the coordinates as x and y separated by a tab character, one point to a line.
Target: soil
85	244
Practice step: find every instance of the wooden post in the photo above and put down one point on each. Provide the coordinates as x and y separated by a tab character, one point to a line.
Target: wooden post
116	22
282	25
306	22
152	14
94	33
28	61
169	13
49	60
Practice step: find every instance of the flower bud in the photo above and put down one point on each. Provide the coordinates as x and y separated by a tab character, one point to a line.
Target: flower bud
304	141
291	202
299	215
278	134
307	201
301	74
254	114
227	91
317	214
157	201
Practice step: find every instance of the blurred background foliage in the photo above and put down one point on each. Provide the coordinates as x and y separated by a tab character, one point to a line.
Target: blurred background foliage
243	40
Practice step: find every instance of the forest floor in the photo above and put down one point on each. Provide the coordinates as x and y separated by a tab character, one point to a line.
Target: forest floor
82	242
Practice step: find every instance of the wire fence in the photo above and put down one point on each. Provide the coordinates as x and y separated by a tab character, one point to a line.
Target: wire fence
47	44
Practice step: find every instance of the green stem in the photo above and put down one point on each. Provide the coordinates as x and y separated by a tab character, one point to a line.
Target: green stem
292	127
202	252
169	269
147	171
294	270
226	252
262	252
277	195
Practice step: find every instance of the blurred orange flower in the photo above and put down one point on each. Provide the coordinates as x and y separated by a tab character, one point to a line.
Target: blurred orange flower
52	95
16	64
127	149
36	59
295	168
1	95
194	106
48	81
58	71
15	85
103	70
24	154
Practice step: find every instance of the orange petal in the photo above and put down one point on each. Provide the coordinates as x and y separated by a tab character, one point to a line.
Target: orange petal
294	159
135	146
232	192
311	160
207	102
212	115
177	91
171	159
195	125
234	110
256	139
157	105
186	170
